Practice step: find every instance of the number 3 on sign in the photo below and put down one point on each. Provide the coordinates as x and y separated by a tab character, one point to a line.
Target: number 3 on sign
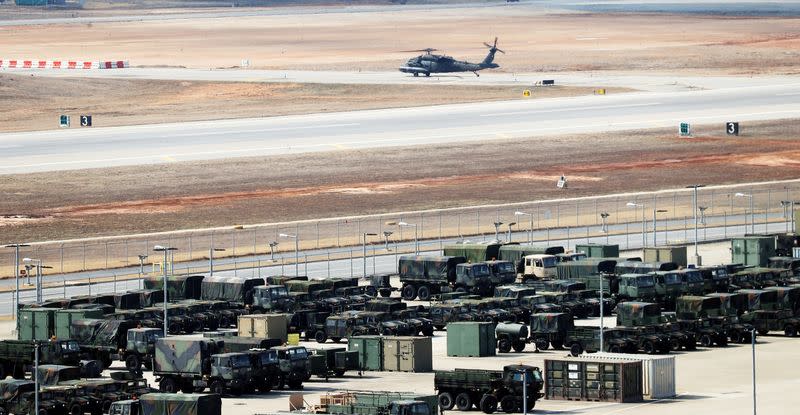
732	128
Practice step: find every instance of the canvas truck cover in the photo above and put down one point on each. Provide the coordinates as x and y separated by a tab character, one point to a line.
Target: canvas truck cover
551	322
180	404
760	299
183	355
689	306
232	289
179	287
731	304
636	267
50	375
787	297
128	301
585	267
429	267
10	387
638	313
477	252
100	332
299	286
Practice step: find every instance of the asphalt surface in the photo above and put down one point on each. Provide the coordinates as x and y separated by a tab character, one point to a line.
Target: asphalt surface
158	143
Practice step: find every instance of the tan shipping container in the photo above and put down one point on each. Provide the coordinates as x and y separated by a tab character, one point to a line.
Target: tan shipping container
264	326
407	354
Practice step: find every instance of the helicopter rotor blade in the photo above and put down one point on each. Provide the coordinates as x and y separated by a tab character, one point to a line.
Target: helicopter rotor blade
499	50
487	45
428	50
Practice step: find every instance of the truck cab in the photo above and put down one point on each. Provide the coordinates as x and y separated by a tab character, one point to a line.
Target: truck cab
230	371
539	266
475	278
126	407
141	343
692	280
293	362
503	272
715	279
637	287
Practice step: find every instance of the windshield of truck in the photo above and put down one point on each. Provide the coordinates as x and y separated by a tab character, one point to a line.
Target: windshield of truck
299	353
70	346
549	261
240	361
694	276
269	356
644	281
278	292
481	270
719	274
420	408
505	267
672	279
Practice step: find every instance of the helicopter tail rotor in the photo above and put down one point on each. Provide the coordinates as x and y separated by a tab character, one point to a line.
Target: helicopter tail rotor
493	47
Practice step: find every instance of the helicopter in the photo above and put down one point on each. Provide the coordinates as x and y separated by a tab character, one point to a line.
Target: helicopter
429	63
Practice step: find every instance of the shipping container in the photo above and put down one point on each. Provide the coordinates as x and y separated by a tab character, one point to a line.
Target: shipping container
265	326
658	372
752	250
593	379
407	354
598	250
471	339
676	254
370	351
36	323
64	319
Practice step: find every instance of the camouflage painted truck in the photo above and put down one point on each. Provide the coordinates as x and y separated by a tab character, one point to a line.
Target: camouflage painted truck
550	329
192	365
102	339
636	314
424	276
169	403
715	309
376	403
17	356
587	339
488	390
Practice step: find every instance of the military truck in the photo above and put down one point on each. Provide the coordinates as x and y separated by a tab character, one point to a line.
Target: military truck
377	403
788	298
74	399
293	362
333	362
693	283
338	327
441	314
591	298
760	299
101	339
648	338
195	364
568	302
169	403
641	287
785	262
101	392
516	253
234	290
17	397
539	304
423	276
668	286
502	272
17	356
715	279
379	284
635	314
765	321
474	252
489	389
550	329
722	318
266	369
272	298
179	287
587	339
511	335
540	266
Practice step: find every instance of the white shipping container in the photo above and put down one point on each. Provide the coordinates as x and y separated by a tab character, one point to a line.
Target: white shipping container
658	372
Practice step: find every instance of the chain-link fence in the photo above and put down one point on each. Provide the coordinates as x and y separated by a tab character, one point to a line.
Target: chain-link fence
753	205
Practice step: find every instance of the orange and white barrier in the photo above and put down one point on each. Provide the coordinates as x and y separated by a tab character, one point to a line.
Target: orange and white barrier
60	64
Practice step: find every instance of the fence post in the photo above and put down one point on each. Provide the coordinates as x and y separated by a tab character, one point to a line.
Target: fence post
329	263
62	258
725	225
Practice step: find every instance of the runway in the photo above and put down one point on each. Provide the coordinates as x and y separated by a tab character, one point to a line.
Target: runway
78	148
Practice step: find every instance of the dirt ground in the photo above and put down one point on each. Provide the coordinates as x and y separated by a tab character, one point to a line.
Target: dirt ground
339	183
534	39
33	103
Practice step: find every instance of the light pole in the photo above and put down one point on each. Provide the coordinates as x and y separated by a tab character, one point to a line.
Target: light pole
752	213
655	227
497	230
386	235
634	206
509	230
530	228
142	257
36	376
296	251
753	347
604	228
39	266
16	274
785	205
211	259
166	250
364	246
272	246
416	235
524	392
697	259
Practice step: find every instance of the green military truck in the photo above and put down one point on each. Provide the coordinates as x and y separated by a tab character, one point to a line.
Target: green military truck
489	389
140	346
266	369
587	339
636	313
272	298
717	309
169	403
101	339
765	321
424	276
293	363
377	403
511	335
550	329
641	287
17	356
192	365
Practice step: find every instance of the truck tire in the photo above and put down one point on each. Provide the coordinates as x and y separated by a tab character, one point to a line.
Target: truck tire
518	346
558	344
105	359
187	387
336	339
75	409
320	336
424	293
446	401
168	385
542	343
614	348
385	292
427	331
217	387
762	332
409	292
648	347
295	384
488	404
371	291
722	341
790	331
705	341
575	349
508	404
43	411
463	401
504	346
132	363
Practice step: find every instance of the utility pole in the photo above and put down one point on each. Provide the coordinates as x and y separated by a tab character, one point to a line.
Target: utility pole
696	260
16	275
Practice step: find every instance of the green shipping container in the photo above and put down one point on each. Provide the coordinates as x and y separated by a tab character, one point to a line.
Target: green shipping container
370	351
598	250
752	250
676	254
64	318
471	339
36	323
